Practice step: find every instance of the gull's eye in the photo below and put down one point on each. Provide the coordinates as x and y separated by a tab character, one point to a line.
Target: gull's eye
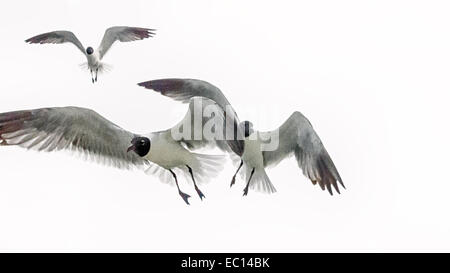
142	141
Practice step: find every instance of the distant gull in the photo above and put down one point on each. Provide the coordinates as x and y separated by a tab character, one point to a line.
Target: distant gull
94	58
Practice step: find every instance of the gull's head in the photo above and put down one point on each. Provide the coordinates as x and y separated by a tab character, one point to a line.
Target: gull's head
89	50
247	127
140	145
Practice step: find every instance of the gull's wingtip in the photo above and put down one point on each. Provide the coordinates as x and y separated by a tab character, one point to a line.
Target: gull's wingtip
146	84
162	85
142	33
150	32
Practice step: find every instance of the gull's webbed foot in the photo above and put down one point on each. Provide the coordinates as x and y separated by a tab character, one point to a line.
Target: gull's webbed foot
184	196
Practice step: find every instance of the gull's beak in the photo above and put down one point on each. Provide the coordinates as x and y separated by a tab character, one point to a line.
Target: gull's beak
131	148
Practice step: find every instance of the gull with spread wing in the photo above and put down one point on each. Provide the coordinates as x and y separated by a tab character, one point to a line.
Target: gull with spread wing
83	130
296	136
94	58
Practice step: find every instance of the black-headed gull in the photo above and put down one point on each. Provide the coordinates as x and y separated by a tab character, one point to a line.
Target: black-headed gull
83	130
94	58
295	136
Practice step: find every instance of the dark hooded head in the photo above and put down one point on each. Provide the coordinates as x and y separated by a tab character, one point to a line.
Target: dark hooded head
89	50
247	127
140	145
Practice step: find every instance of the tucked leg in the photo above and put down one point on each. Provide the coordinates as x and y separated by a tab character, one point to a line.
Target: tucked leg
233	180
96	72
248	183
92	76
199	192
182	194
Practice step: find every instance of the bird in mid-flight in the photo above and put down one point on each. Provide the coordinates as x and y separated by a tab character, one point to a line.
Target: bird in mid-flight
296	136
94	57
83	130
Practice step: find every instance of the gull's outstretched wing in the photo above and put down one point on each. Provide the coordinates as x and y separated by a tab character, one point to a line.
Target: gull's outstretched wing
72	128
123	34
297	136
199	125
57	37
185	89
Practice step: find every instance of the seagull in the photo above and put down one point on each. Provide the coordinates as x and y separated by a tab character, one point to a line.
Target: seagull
296	136
94	58
83	130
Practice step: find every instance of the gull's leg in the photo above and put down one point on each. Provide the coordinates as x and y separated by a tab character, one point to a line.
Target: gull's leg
92	76
234	176
199	192
182	194
96	72
248	183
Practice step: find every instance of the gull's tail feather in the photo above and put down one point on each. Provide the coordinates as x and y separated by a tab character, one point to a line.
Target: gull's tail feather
84	66
105	68
260	181
102	69
164	175
207	167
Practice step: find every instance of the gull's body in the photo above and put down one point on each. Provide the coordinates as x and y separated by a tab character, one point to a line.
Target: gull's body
94	57
296	136
93	61
252	155
83	130
177	155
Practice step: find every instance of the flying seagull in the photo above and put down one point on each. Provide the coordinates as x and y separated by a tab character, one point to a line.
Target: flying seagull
296	136
94	58
83	130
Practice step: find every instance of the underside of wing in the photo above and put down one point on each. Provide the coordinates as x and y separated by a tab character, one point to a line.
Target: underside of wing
297	137
123	34
70	128
202	126
185	89
57	37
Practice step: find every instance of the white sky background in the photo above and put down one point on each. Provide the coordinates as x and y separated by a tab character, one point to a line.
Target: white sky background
371	76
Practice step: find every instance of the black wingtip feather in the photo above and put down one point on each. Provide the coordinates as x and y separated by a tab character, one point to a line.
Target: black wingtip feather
142	33
327	177
30	40
11	122
162	85
38	39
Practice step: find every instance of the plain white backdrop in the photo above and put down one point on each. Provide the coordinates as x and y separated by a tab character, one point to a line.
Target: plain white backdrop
371	76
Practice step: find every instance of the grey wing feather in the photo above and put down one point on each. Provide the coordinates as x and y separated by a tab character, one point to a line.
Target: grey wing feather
196	136
57	37
123	34
72	128
297	136
185	89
